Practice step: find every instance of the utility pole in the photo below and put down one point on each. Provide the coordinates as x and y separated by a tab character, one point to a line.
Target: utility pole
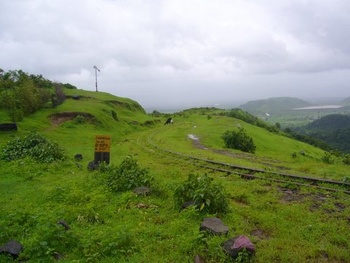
96	69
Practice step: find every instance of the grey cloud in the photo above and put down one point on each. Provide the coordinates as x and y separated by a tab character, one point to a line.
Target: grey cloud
194	50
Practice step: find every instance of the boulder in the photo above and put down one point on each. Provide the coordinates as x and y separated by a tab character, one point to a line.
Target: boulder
188	204
12	248
8	126
92	166
142	190
198	259
64	224
78	157
239	244
214	226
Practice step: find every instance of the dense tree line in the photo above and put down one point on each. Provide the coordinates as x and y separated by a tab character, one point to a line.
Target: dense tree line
251	119
22	94
332	130
294	134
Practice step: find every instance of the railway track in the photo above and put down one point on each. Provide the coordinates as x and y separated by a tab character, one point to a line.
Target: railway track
254	173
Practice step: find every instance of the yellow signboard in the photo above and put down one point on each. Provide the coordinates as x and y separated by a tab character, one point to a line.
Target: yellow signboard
102	143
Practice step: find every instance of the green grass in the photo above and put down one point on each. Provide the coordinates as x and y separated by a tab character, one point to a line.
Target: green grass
107	226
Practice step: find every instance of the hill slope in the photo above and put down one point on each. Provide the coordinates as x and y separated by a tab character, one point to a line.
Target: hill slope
83	115
120	226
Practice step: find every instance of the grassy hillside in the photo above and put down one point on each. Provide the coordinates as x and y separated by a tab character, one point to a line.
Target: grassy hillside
286	223
78	135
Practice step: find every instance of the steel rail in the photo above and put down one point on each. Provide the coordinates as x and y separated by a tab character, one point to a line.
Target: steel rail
232	169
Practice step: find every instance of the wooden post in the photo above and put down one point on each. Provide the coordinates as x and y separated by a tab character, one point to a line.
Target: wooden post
102	149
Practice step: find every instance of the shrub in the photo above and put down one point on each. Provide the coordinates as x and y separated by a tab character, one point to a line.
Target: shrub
346	179
115	116
208	196
346	159
328	158
33	145
79	119
21	94
239	140
50	241
128	175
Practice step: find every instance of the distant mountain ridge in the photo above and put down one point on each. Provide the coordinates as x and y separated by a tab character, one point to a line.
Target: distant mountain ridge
274	105
345	102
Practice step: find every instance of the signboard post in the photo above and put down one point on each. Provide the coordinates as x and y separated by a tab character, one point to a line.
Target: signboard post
102	149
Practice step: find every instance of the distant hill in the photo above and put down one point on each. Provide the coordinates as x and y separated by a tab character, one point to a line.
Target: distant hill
274	105
345	102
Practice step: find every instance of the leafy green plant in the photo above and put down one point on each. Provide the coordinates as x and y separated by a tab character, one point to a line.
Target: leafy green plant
239	140
346	159
328	158
243	257
32	145
50	241
79	119
117	246
21	94
208	196
128	175
122	244
346	179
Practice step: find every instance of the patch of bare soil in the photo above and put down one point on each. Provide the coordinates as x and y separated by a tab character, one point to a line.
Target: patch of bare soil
61	117
291	195
259	234
317	199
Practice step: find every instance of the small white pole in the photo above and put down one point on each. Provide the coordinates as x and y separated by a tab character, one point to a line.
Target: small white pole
96	68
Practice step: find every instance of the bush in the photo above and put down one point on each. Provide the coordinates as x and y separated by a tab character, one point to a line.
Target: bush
128	175
239	140
21	94
33	145
208	196
328	158
79	119
50	241
115	116
346	159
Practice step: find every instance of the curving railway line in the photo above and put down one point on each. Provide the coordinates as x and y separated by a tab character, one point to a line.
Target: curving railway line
253	173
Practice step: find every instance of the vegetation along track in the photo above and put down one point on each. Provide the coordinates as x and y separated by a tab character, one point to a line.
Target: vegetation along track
252	173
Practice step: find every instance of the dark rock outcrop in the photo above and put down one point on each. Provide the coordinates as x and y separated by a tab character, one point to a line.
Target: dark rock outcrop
142	190
214	226
12	248
239	244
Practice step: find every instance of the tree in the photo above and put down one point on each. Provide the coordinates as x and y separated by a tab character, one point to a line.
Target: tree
239	140
19	95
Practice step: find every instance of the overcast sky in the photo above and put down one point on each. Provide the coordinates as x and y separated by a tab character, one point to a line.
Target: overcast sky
183	52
